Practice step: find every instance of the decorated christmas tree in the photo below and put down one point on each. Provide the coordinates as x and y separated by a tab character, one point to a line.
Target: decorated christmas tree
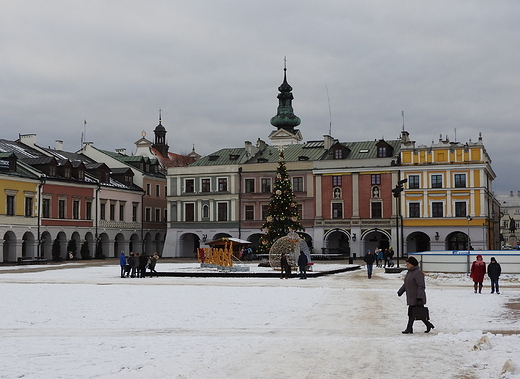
282	214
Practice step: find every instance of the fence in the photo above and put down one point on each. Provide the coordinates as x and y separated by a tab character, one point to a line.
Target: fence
460	261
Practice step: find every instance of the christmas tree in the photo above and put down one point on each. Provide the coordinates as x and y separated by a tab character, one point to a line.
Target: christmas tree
282	213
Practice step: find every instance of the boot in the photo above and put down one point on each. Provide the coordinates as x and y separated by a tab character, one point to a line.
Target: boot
429	326
409	327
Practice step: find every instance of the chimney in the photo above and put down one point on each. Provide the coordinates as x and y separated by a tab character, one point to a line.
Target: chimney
510	193
327	141
59	145
28	139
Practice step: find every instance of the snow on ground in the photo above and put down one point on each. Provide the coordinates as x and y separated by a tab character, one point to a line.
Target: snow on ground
84	321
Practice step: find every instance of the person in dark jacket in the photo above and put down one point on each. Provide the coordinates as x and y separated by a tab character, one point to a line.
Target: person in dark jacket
415	289
122	263
285	267
302	265
494	270
369	259
143	261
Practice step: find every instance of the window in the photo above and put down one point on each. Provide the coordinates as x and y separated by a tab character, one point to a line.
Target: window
88	212
222	212
148	189
460	209
157	215
336	181
437	209
189	212
265	211
148	214
165	215
381	152
46	208
266	185
250	185
28	207
414	209
299	208
338	154
376	209
375	179
10	206
189	186
250	212
121	211
165	190
102	211
436	181
205	211
222	184
112	211
413	181
135	207
460	180
157	190
61	208
337	210
75	209
205	185
298	184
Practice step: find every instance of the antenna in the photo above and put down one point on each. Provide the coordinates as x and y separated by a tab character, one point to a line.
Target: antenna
84	134
330	113
455	129
402	114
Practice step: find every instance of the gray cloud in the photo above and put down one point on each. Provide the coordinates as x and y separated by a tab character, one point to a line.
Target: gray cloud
214	68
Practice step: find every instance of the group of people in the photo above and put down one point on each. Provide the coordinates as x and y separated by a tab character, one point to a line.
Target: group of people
379	256
303	263
136	264
478	271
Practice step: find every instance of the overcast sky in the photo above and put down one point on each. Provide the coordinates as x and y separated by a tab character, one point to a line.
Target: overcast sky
214	66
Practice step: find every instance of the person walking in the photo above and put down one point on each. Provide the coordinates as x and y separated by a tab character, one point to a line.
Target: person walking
478	270
379	254
302	264
122	263
494	270
369	260
153	262
143	261
415	289
285	267
132	261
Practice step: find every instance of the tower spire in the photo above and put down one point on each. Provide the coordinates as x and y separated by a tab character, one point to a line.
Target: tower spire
285	117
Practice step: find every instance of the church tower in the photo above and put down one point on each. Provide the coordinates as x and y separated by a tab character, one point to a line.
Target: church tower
285	120
160	139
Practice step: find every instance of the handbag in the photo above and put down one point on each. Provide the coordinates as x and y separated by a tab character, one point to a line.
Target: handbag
420	312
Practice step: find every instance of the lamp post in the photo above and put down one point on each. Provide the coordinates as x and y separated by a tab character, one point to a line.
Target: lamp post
469	240
397	194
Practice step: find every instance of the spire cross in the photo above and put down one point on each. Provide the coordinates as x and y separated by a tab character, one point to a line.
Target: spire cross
160	115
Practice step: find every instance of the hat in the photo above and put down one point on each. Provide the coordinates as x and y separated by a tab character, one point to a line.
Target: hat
479	256
493	259
412	261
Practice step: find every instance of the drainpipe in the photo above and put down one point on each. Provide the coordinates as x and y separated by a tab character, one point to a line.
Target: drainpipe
239	202
142	221
96	217
40	189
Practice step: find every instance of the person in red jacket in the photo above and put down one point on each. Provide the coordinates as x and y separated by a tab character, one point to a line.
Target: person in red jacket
478	270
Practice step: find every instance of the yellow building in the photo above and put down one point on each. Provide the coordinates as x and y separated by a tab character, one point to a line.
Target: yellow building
18	208
447	197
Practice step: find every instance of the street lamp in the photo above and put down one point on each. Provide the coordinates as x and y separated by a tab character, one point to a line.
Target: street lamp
397	194
204	238
437	236
469	219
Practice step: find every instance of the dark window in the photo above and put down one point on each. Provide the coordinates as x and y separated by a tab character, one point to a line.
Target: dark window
61	208
189	186
337	210
437	209
205	185
189	212
10	206
28	207
205	211
112	211
121	212
299	207
148	214
134	212
375	179
460	209
250	212
376	210
265	210
338	154
266	185
250	185
336	181
460	180
222	184
46	208
102	211
298	184
222	212
381	152
414	209
157	215
413	181
75	209
157	190
436	181
148	189
88	213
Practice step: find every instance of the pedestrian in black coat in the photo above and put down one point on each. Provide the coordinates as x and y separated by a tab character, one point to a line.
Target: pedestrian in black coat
302	265
494	270
143	261
285	267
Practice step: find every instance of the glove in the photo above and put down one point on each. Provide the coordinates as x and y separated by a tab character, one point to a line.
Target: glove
399	294
420	302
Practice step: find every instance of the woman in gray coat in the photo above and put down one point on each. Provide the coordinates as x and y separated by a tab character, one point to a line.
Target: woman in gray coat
415	293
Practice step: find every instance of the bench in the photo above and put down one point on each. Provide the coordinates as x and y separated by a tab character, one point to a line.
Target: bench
31	260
